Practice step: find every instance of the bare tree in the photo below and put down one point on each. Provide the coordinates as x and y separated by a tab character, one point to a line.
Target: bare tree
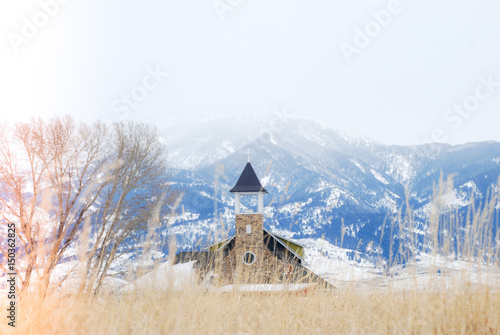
56	175
136	195
22	172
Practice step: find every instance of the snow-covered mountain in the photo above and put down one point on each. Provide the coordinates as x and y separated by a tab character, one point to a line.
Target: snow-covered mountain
322	181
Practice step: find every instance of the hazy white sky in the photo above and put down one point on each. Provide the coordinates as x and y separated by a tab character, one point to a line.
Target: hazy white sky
397	71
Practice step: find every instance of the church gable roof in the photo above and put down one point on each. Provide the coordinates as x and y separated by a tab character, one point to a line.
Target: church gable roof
248	181
271	240
295	248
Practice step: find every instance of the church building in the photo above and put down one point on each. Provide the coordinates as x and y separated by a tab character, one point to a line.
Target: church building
254	254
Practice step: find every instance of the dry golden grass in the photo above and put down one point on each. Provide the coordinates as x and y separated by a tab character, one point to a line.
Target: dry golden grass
463	310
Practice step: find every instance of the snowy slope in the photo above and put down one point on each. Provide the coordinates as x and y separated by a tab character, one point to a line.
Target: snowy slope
322	181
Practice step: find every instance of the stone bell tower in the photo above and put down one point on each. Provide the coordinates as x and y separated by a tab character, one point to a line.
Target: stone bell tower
249	210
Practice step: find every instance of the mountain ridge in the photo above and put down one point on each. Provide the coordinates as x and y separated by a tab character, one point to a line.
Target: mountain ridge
320	181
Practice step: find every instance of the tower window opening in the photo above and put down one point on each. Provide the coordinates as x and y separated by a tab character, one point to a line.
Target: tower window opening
248	203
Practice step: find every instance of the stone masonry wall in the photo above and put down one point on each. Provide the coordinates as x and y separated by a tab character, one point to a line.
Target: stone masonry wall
266	269
253	242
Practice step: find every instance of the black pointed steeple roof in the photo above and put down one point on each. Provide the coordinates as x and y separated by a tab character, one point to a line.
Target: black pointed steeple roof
248	181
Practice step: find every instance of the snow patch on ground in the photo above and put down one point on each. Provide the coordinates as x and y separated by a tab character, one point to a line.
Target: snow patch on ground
401	168
295	207
166	276
388	203
333	200
359	166
379	177
347	268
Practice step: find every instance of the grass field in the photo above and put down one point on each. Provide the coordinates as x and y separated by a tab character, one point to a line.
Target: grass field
465	309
